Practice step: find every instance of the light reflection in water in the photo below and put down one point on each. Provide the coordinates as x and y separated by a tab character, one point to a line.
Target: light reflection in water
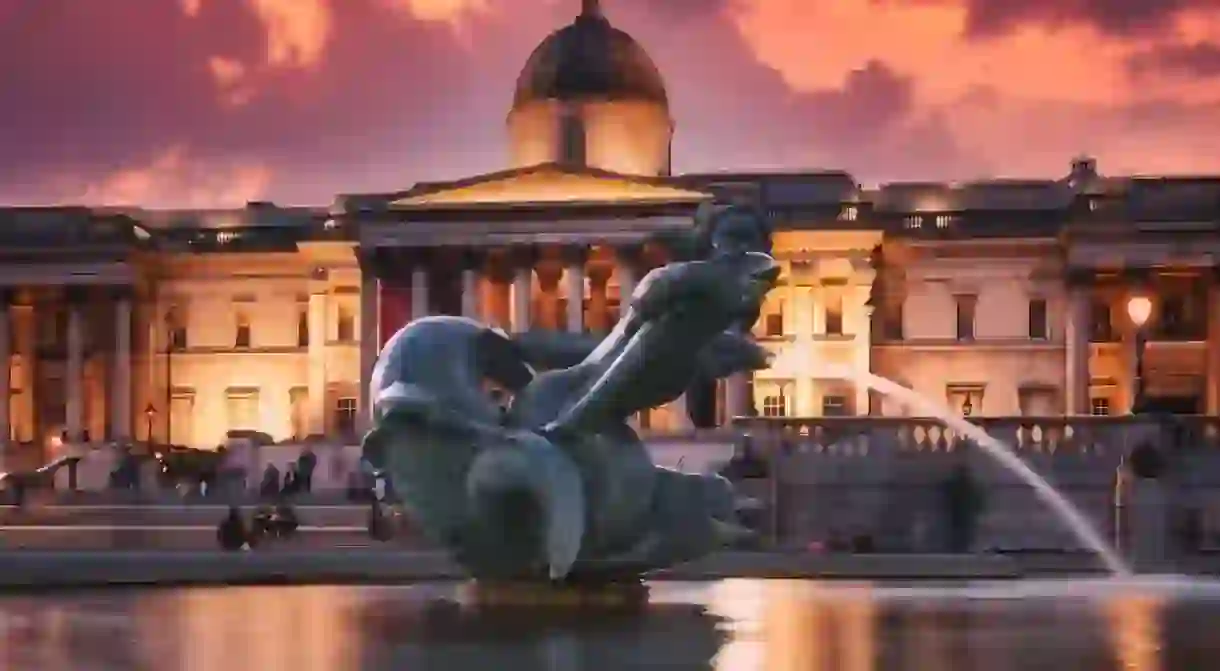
780	625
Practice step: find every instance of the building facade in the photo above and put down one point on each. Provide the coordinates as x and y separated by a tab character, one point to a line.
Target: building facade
996	297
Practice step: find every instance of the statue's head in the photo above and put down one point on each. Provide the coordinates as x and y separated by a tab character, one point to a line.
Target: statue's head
726	229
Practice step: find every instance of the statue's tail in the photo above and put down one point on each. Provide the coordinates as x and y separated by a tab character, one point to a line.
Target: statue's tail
549	477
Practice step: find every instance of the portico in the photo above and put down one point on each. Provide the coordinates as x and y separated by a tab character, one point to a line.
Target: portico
546	247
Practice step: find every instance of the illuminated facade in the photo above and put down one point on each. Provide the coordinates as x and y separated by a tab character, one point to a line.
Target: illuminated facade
1001	297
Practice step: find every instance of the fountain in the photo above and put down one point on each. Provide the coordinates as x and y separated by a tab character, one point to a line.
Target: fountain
1002	454
557	488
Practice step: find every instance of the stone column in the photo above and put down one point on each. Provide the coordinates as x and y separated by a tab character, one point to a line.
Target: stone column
6	373
523	289
574	289
627	272
419	290
315	419
863	342
471	286
74	405
549	274
1213	346
1076	352
497	270
22	316
599	311
369	336
121	391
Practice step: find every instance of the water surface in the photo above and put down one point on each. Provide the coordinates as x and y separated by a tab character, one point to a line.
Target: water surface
734	625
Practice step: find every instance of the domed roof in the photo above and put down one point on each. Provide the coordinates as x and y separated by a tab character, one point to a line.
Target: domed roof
589	59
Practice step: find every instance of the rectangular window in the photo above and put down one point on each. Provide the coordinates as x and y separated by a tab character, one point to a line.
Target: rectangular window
965	317
181	417
1037	319
303	328
241	408
346	331
834	406
175	321
345	416
834	315
1101	328
774	405
1100	406
241	339
773	325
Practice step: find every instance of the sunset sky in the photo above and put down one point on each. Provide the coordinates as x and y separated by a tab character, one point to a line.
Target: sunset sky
214	102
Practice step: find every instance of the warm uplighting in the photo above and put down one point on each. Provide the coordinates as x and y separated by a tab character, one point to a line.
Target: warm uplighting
1139	308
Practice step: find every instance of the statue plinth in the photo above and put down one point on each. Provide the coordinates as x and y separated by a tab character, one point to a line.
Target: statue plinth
524	594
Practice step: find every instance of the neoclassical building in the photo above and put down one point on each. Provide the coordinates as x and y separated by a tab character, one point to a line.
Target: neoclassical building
998	297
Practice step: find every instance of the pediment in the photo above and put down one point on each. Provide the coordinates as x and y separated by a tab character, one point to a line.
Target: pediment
547	185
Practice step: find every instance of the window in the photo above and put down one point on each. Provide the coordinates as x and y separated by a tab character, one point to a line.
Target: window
849	213
834	406
943	221
965	317
242	337
913	222
892	322
1100	406
834	315
966	399
298	403
346	331
775	405
303	328
176	323
241	406
1037	319
181	416
345	416
1101	329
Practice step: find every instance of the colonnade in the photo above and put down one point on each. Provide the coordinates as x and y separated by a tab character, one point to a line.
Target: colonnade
20	343
573	288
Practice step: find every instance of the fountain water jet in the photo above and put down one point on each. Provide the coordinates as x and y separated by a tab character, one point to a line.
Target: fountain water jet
1004	455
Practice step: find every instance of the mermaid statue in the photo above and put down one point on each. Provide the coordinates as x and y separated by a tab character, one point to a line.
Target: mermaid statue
558	487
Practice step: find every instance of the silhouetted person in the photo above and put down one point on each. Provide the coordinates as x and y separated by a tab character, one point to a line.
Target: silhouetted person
306	464
269	487
379	527
292	481
963	500
231	533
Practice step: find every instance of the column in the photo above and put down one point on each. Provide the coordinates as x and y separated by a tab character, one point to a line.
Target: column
574	289
549	274
22	316
1213	346
6	373
316	316
737	395
471	285
369	345
121	390
1076	352
74	407
863	342
523	287
599	311
626	271
419	290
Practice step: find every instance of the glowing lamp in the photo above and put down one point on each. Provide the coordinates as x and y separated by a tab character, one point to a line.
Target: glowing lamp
1139	308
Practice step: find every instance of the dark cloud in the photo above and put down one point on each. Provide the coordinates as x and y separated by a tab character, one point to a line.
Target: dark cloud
1196	61
1119	18
393	100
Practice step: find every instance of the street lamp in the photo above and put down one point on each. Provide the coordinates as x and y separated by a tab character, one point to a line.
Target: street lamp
1139	309
150	413
967	406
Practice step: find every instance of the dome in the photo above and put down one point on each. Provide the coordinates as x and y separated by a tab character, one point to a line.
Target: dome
589	59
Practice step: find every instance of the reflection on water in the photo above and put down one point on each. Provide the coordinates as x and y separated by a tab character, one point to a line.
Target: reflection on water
734	625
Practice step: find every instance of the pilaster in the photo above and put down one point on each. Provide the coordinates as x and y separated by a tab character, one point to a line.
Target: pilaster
370	329
74	407
121	413
316	394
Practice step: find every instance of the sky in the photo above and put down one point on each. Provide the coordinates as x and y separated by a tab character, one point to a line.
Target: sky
209	103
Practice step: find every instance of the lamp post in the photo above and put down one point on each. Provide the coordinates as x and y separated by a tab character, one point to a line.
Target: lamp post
150	413
967	407
1139	309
